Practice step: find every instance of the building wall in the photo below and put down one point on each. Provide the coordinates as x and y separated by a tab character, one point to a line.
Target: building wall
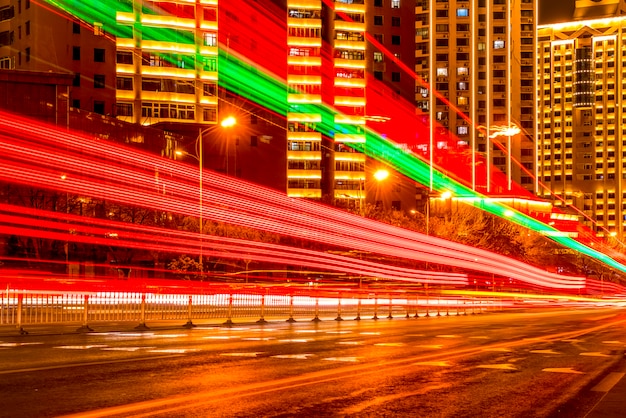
580	142
43	39
467	51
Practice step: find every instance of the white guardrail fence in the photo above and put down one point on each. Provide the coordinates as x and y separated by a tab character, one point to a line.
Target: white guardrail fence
21	308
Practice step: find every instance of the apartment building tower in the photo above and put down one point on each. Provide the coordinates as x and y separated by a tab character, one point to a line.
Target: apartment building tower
581	148
479	58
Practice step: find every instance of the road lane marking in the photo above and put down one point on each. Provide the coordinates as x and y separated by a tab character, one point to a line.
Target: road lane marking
350	343
344	359
612	342
81	347
503	366
608	382
17	344
595	354
294	356
131	349
220	337
258	339
303	340
389	344
544	352
442	363
562	370
255	354
479	337
338	332
448	336
435	346
173	350
370	333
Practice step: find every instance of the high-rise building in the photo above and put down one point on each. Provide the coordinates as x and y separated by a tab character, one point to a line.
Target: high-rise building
581	148
326	65
478	57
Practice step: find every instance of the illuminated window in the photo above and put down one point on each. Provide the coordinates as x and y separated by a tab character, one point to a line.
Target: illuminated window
462	12
498	44
378	56
210	39
98	30
442	72
462	130
395	4
462	71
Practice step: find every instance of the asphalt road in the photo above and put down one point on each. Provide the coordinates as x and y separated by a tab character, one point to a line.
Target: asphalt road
524	364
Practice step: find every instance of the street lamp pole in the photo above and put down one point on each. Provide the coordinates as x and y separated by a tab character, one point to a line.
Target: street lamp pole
201	229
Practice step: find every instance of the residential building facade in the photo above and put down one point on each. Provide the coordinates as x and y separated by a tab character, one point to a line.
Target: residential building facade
581	153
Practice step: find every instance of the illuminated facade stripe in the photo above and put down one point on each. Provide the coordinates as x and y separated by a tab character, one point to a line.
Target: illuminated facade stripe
170	63
304	83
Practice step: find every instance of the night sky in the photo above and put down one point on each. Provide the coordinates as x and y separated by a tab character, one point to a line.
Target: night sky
554	11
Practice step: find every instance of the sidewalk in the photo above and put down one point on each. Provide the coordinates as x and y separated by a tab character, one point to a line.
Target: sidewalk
613	403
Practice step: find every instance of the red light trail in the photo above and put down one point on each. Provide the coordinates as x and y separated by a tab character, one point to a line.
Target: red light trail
38	156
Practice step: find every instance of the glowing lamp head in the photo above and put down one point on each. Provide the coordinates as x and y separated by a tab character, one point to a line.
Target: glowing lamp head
381	174
229	122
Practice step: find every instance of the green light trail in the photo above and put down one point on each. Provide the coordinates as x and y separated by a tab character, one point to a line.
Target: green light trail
252	83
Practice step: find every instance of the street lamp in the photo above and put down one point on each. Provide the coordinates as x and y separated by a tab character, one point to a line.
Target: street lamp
226	123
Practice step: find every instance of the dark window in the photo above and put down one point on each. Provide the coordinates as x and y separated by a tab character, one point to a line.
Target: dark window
124	83
395	21
76	27
76	81
76	103
98	55
395	77
395	39
27	4
378	75
27	27
378	20
124	57
98	107
98	81
27	54
378	3
76	53
124	109
254	141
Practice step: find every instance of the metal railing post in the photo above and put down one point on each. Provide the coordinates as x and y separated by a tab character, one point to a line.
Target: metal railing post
20	305
291	309
85	327
142	324
339	318
189	323
317	310
375	308
262	320
229	319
